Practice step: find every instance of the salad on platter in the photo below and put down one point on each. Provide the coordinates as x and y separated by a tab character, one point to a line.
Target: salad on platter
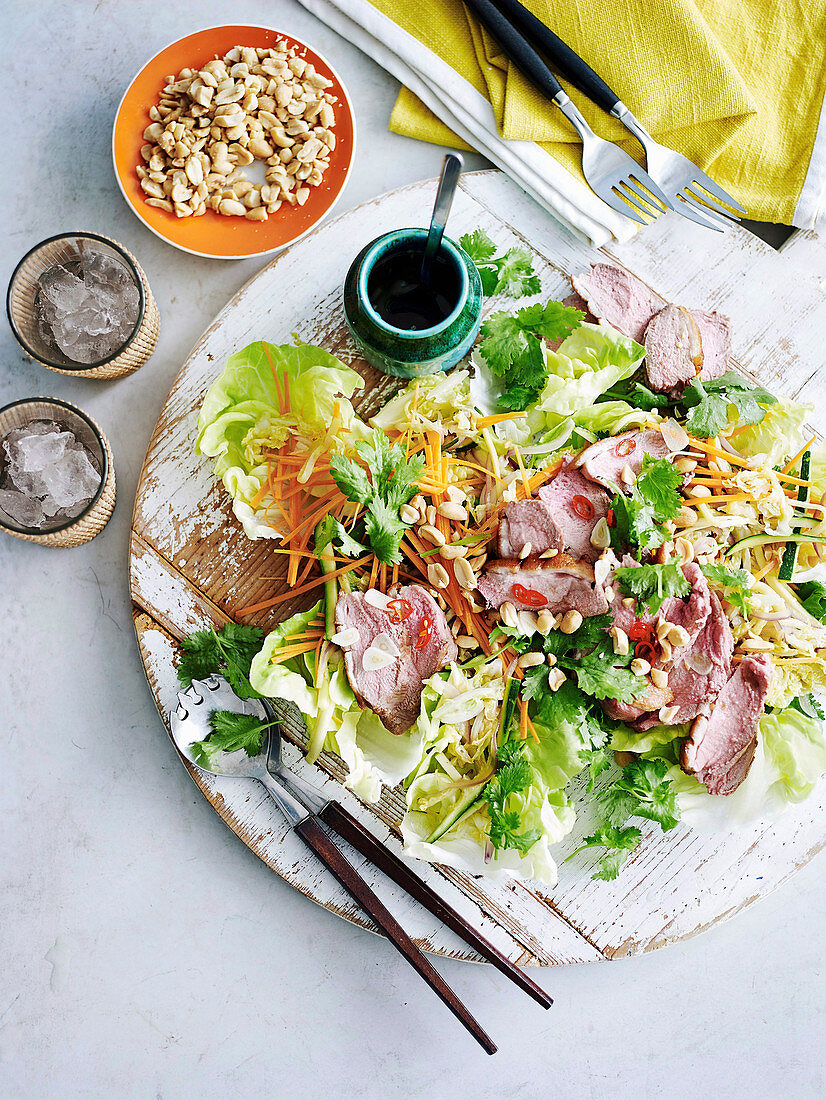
582	573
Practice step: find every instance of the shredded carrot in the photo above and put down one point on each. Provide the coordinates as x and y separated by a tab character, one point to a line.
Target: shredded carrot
718	452
304	635
290	651
793	462
395	577
300	590
726	498
305	571
374	570
523	719
383	577
531	726
498	418
763	570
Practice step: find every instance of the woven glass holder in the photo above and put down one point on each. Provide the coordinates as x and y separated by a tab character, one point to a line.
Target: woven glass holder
22	310
96	514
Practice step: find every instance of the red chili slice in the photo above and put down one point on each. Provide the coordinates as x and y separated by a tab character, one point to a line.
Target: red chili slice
641	632
625	447
583	507
529	596
611	519
399	611
644	651
425	634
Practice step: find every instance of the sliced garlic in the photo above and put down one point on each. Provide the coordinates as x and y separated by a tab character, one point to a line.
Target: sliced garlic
376	599
374	659
345	638
674	435
386	644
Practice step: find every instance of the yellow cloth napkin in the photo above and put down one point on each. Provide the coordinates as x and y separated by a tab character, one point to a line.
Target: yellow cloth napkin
735	85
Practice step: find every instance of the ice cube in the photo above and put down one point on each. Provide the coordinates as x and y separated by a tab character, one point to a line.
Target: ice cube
64	290
22	510
37	452
71	482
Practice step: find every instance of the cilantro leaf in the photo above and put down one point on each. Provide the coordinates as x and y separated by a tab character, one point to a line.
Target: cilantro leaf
812	595
351	478
478	246
200	658
597	761
653	583
513	774
658	483
228	651
392	481
735	582
643	791
517	278
709	403
231	732
512	348
606	681
620	842
511	274
652	500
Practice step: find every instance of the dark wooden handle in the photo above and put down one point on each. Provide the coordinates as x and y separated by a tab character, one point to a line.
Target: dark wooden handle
312	833
341	821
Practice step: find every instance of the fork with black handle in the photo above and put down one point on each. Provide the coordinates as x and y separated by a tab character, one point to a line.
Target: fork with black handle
611	173
693	194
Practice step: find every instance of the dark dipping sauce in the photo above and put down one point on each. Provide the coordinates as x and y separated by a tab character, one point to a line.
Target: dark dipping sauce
397	294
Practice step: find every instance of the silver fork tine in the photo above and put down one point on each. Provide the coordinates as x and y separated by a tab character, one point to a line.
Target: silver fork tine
708	184
638	190
706	211
634	202
694	215
694	190
620	205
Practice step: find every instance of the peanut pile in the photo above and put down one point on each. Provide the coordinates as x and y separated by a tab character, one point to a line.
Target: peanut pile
252	104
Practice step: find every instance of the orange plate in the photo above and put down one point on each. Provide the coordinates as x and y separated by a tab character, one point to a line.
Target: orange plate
214	235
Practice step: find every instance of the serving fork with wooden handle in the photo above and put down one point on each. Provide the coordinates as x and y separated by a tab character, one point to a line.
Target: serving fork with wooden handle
313	817
676	181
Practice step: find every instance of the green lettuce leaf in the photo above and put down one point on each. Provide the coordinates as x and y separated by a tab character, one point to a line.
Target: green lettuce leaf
779	435
240	419
587	363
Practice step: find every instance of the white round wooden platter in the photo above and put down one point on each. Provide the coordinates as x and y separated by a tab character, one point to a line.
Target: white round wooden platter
191	566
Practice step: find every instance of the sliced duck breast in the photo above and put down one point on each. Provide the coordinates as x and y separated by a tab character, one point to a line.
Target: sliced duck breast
721	747
411	630
673	348
576	506
557	584
527	523
698	672
715	334
606	460
690	615
618	298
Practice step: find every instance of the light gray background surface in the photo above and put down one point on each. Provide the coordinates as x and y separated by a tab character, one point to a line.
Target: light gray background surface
144	951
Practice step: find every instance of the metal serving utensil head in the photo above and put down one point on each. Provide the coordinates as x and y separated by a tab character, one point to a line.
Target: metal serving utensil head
189	722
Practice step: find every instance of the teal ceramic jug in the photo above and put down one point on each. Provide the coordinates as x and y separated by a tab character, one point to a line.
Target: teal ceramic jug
411	353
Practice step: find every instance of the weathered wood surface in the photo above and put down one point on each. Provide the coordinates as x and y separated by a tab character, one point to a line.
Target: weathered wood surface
191	565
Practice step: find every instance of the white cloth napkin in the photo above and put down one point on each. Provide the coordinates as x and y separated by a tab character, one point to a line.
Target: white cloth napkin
470	115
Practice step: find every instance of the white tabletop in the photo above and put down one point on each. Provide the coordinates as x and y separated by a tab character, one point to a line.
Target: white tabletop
145	951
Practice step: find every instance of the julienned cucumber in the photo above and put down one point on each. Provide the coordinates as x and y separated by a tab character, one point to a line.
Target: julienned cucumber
764	540
326	559
468	800
786	569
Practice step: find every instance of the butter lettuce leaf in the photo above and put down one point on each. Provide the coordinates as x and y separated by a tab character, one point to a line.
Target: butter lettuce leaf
244	416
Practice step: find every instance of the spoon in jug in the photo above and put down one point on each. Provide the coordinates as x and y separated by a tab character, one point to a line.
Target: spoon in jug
451	170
